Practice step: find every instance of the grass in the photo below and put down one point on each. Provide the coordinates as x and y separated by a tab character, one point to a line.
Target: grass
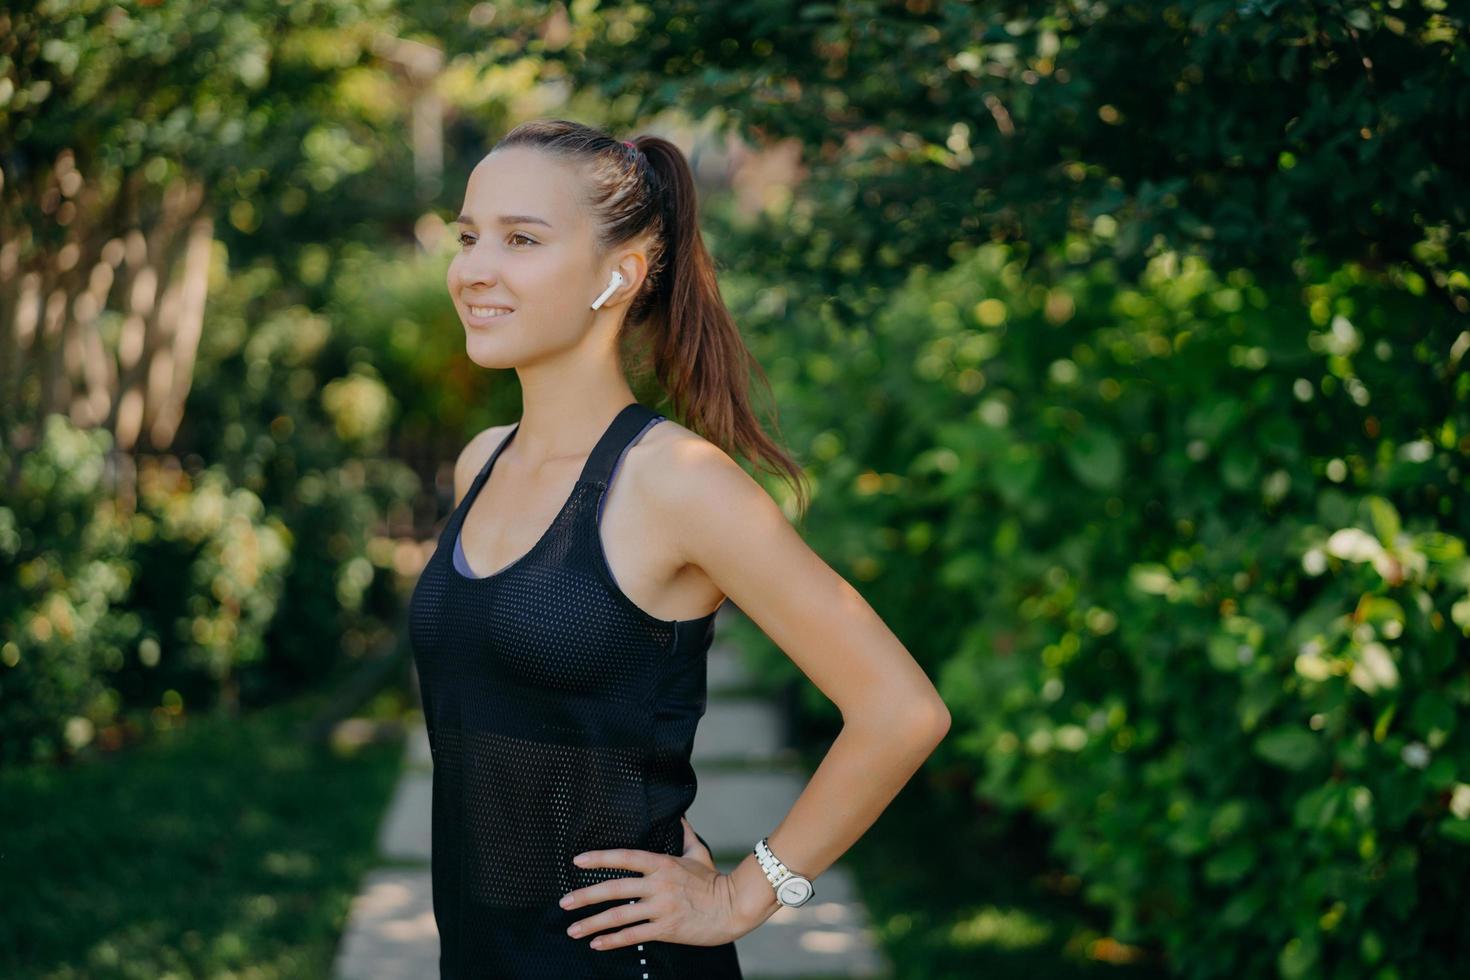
224	848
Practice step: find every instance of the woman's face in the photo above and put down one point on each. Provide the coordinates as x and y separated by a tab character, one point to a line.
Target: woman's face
525	244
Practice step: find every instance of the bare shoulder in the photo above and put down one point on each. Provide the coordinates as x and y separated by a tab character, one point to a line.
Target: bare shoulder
693	483
679	463
721	520
474	455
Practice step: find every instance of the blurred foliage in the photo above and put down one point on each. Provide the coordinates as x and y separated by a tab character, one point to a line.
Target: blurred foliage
114	618
1246	132
63	569
291	118
290	404
118	615
284	112
1126	344
1186	560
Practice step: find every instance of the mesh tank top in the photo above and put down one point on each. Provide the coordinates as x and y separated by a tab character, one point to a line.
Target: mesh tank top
561	718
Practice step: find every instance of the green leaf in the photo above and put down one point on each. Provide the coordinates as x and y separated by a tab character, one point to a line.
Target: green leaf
1230	865
1380	727
1455	829
1316	807
1016	475
1298	958
1432	710
1213	420
1440	774
1096	456
1385	520
1240	466
1289	747
1223	650
1441	547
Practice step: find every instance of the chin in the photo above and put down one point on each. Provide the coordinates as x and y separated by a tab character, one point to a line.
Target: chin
491	361
486	353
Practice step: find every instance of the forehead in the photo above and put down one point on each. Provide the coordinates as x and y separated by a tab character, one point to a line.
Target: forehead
523	180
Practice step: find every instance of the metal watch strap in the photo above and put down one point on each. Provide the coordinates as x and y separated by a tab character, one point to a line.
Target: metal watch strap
778	874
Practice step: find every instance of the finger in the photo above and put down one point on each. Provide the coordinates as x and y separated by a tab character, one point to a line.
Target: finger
622	915
621	857
605	891
645	933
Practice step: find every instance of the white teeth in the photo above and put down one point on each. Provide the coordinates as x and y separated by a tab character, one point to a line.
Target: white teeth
488	310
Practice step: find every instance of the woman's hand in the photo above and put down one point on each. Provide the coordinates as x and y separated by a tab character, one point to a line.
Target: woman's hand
686	899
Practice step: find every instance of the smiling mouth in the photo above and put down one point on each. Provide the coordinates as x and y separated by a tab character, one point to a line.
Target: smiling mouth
489	312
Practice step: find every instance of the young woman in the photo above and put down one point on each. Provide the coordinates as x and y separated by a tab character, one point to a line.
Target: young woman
560	627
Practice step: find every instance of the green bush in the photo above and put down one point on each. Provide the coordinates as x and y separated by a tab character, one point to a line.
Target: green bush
118	615
294	404
63	569
1184	557
114	617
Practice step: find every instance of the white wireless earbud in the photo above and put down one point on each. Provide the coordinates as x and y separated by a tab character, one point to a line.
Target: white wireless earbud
612	284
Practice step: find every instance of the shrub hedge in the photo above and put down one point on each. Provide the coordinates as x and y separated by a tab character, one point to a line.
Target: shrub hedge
1185	557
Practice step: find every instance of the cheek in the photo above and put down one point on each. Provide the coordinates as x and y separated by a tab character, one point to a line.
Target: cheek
543	274
548	287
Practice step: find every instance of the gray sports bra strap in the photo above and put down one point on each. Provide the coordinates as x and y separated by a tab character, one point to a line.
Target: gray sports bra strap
602	500
625	425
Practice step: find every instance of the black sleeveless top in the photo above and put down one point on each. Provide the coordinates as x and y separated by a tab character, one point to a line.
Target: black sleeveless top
560	717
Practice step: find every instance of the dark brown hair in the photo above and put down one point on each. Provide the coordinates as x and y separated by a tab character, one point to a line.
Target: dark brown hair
689	339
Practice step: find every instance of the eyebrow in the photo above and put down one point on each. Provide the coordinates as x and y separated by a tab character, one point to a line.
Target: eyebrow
509	219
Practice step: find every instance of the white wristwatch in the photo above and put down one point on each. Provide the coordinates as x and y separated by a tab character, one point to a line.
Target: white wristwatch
792	889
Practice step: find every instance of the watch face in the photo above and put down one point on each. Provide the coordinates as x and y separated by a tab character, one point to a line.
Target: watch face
794	891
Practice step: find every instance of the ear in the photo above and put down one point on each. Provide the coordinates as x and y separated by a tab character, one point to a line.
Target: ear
632	262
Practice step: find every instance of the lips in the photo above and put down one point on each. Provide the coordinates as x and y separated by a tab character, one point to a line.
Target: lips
488	313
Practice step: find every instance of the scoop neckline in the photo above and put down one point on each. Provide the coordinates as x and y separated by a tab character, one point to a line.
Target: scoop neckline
604	569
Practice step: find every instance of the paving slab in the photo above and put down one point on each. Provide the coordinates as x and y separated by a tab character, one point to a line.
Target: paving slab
390	931
391	934
829	936
416	751
405	833
734	808
739	729
724	668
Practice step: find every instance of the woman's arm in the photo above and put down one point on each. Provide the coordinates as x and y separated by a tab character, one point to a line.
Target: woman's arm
725	523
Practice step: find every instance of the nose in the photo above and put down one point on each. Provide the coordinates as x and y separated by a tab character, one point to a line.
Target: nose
473	268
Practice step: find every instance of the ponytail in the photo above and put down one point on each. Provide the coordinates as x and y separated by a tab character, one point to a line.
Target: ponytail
687	332
698	354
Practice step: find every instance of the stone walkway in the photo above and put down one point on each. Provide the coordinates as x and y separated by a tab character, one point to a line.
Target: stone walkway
747	783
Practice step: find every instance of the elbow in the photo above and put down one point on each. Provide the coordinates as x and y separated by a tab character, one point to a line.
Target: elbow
932	722
941	722
923	722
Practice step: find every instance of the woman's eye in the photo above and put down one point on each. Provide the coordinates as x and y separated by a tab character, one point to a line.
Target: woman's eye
465	240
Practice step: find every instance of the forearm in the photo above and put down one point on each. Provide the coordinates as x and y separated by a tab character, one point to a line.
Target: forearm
869	762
